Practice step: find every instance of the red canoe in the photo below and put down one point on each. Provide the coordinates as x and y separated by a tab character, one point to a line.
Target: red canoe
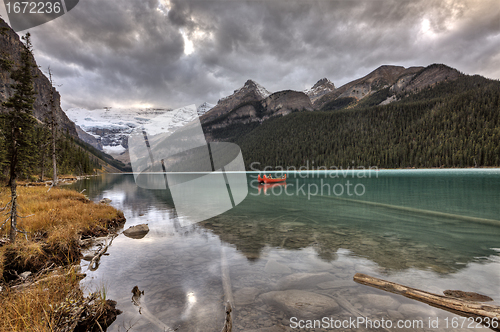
270	180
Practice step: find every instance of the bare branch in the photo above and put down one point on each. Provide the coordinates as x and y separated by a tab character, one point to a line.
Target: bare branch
23	232
31	215
1	227
10	202
8	212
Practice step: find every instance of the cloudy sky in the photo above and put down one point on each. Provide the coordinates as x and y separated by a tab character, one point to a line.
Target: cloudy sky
170	53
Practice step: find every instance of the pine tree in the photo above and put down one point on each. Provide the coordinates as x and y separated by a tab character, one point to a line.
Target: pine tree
18	130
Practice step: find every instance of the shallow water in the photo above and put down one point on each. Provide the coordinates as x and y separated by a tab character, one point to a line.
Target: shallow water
433	230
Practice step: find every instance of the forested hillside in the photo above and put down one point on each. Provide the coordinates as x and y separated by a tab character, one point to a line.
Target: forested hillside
452	124
31	119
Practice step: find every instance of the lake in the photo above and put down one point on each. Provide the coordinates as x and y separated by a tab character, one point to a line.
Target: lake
305	240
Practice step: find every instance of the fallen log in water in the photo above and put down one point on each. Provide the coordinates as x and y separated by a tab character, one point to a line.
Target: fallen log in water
228	292
459	306
94	263
228	322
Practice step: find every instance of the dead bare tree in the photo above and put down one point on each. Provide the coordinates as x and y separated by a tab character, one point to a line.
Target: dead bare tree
53	128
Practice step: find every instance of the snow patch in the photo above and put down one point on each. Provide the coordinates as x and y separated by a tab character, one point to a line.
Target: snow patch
204	108
262	91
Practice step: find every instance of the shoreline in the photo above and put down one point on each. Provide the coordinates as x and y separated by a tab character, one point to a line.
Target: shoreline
323	170
40	276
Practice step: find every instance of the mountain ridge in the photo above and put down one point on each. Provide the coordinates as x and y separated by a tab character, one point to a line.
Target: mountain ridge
240	115
453	123
384	85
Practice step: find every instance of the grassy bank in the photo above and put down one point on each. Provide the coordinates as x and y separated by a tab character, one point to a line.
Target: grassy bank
50	295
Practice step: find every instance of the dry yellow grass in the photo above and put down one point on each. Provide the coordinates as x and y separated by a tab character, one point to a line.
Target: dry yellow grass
59	218
32	309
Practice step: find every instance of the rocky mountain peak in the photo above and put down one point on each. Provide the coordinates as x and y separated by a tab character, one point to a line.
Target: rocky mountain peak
250	83
322	87
254	86
324	82
250	92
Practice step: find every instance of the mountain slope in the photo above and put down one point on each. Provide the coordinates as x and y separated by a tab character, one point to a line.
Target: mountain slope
11	47
380	78
250	92
385	85
247	107
73	154
455	123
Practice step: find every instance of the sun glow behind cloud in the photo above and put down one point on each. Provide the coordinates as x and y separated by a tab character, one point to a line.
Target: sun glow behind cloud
426	30
188	44
192	38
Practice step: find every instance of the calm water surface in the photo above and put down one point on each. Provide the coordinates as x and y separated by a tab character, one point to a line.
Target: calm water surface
432	229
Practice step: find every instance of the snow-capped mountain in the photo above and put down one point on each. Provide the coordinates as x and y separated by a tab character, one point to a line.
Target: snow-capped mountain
112	126
249	87
322	87
204	108
250	92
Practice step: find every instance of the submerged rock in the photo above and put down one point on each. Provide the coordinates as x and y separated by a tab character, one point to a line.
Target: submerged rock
304	280
299	303
336	284
245	296
273	266
137	232
383	302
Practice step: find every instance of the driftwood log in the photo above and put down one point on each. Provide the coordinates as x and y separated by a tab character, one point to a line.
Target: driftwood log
228	323
94	263
458	306
228	292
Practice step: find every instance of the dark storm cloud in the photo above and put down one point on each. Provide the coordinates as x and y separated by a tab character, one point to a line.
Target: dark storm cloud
133	52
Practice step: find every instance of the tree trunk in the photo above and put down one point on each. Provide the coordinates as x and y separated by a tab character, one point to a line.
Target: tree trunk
13	186
13	212
42	164
54	161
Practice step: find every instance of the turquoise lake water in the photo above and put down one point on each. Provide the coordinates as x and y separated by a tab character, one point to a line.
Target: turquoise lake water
428	229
